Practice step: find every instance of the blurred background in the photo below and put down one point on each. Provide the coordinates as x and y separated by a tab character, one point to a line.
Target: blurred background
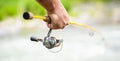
86	45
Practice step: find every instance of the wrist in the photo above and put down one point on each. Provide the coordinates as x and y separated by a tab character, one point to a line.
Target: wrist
50	5
54	7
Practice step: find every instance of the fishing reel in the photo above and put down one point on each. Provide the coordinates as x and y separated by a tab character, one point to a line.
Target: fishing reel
48	41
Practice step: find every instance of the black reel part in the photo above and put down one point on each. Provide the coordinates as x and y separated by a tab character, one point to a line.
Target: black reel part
36	39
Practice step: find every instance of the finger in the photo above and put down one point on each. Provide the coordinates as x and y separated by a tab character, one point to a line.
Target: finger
50	26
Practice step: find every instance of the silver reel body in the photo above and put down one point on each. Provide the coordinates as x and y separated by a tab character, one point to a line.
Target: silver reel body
49	42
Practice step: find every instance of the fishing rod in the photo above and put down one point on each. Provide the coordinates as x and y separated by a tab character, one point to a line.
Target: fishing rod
29	16
49	41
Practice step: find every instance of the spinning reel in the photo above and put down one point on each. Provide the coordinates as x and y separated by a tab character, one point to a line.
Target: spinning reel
49	41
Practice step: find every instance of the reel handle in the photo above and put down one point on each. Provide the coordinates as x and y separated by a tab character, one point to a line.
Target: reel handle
36	39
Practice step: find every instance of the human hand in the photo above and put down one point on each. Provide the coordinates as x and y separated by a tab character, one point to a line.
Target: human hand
57	13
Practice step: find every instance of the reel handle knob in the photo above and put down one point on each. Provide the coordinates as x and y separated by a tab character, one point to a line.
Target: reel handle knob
36	39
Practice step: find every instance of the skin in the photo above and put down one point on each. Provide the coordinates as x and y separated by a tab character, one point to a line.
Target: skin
57	13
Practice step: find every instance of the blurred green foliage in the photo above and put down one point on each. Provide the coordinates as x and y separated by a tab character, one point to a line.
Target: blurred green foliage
16	7
8	8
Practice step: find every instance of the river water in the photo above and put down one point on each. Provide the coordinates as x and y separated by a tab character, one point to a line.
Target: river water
79	44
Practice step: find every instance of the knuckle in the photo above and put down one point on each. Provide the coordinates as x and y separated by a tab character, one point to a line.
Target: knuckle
62	26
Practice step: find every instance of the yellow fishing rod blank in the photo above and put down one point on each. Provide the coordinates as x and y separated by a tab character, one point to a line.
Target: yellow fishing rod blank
83	25
71	22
